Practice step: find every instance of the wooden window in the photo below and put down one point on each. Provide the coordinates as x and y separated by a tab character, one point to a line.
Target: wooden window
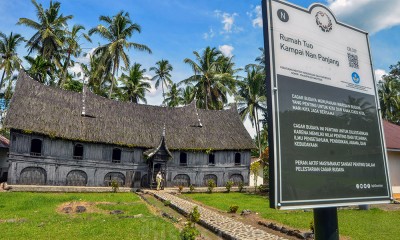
211	159
32	176
78	151
237	159
114	176
182	180
116	155
236	178
76	178
183	159
208	177
36	147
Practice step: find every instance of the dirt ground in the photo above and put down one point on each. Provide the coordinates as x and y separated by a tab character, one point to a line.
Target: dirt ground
71	207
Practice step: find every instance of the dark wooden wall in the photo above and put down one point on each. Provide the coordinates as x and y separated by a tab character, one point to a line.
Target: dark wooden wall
57	161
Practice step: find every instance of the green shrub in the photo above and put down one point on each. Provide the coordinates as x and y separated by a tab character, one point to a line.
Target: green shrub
210	185
233	208
191	188
262	188
241	186
189	232
114	185
228	186
194	216
167	203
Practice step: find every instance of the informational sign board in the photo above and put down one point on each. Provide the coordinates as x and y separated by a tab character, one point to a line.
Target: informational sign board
327	145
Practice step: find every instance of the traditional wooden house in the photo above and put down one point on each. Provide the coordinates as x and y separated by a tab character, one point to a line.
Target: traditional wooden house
60	137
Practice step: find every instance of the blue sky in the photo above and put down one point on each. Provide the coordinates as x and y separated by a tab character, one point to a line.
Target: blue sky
173	29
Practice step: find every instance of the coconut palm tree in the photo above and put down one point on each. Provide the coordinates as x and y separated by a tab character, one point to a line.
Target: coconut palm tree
251	99
212	78
261	59
50	30
389	98
8	51
163	74
187	95
135	84
73	48
98	75
40	69
117	31
173	96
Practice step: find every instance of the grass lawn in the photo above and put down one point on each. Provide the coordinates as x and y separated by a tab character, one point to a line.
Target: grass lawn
36	217
357	224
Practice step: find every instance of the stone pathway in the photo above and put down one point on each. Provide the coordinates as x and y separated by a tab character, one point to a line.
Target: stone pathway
224	226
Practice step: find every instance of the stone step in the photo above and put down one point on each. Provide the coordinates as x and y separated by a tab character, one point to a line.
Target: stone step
224	226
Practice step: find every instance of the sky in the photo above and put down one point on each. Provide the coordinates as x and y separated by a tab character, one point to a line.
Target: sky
173	29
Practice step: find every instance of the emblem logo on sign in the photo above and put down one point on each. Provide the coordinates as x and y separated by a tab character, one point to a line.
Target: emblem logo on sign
355	77
323	21
283	15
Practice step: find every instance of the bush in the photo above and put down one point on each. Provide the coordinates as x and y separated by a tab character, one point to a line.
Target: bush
167	203
233	208
180	188
191	188
228	186
211	185
114	185
194	216
263	188
189	232
241	186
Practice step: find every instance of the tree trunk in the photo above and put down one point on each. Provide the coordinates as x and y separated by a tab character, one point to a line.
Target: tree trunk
205	91
65	71
162	86
112	81
207	94
2	78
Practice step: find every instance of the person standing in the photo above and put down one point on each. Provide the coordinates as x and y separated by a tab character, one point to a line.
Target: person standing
159	179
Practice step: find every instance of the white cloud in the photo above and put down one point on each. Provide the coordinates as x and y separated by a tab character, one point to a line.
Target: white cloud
86	58
153	91
257	21
379	73
370	15
208	35
228	21
226	50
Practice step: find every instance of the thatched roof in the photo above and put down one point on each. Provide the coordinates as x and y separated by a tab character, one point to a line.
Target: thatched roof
37	108
160	149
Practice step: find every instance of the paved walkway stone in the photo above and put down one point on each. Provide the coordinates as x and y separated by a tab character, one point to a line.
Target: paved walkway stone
225	226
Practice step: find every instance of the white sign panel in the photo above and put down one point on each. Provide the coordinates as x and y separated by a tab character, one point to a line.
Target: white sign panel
326	129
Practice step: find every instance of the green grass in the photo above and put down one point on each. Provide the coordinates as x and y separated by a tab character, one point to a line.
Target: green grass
44	222
357	224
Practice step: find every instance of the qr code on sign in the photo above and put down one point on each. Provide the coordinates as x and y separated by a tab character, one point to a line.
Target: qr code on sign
353	60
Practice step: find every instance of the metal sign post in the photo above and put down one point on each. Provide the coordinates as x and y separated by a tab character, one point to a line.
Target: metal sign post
325	131
326	224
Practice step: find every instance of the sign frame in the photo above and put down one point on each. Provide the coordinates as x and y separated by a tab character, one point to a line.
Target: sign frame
274	127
